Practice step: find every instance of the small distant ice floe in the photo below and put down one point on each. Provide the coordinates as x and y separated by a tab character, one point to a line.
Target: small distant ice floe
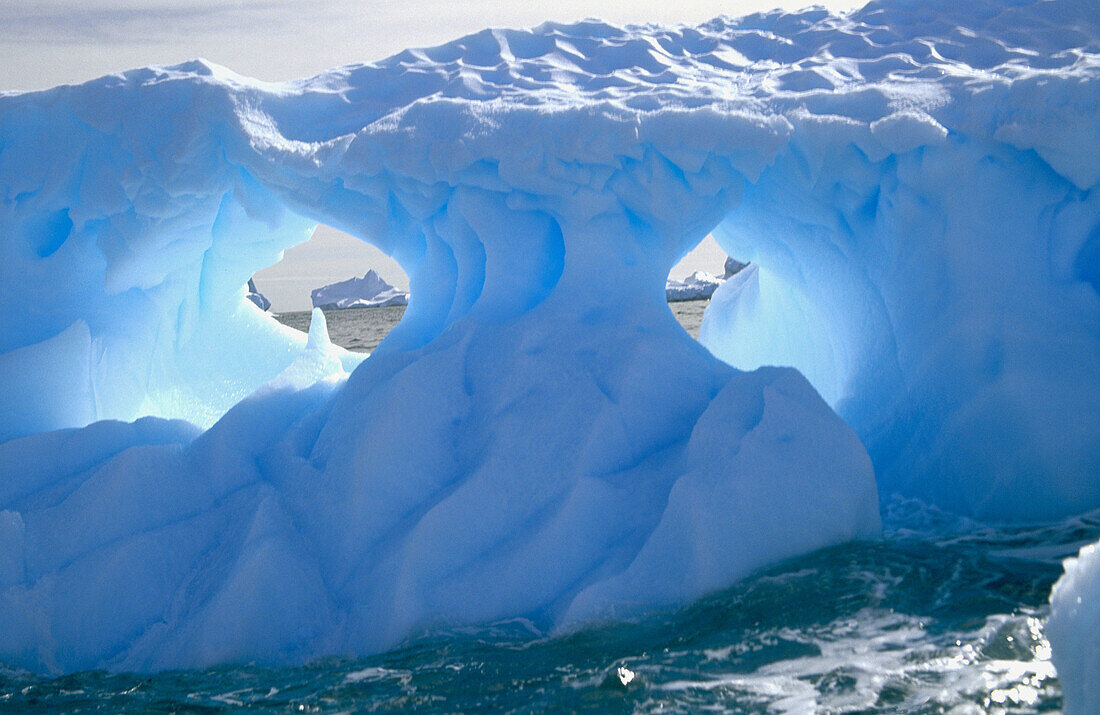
370	291
700	285
257	297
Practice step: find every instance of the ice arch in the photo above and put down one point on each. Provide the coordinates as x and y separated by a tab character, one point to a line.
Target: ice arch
931	265
961	345
537	421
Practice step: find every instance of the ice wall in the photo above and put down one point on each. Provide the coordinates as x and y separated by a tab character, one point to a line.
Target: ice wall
538	436
963	344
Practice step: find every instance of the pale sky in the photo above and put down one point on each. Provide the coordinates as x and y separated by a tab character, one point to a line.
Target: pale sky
44	43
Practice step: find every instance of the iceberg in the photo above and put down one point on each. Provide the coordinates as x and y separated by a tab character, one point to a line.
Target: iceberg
698	286
933	269
370	291
185	482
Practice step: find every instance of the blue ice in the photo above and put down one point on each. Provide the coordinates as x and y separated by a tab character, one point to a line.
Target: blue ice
185	482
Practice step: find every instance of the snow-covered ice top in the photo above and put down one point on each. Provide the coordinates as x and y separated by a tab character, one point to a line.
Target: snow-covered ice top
697	286
366	292
915	185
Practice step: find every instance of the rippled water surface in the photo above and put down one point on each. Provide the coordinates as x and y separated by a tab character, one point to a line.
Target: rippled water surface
361	329
942	614
358	329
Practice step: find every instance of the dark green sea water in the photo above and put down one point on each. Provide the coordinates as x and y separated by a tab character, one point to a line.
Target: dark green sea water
940	615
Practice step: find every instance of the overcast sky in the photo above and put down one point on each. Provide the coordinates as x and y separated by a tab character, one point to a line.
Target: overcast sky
48	42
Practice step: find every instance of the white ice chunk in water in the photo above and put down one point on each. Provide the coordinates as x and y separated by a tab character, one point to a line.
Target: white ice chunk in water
698	286
1074	631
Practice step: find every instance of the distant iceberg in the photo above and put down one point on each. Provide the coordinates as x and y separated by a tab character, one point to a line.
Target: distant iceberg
698	286
370	291
257	297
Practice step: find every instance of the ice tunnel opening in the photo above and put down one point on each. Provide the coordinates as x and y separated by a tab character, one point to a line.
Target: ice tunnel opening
693	280
293	251
774	304
362	291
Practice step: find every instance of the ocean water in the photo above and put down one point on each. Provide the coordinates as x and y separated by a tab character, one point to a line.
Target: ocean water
361	329
942	614
357	329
